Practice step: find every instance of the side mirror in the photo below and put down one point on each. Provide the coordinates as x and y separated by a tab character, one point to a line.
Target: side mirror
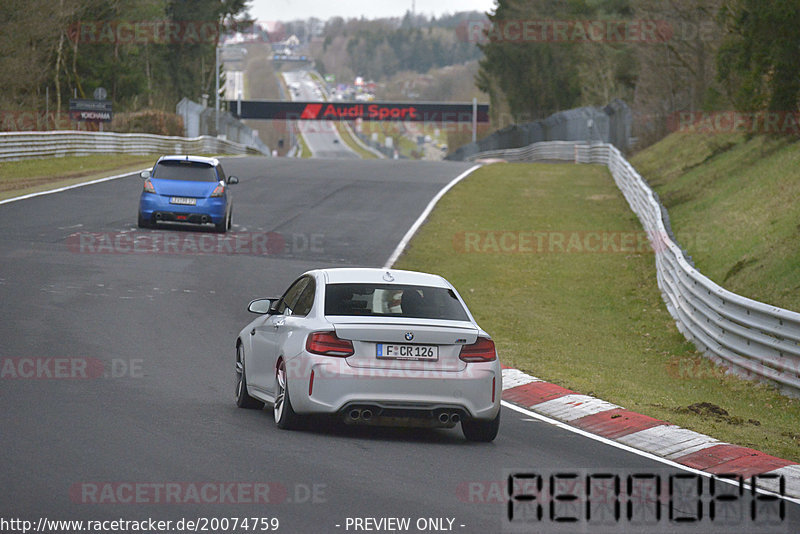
145	174
233	180
261	306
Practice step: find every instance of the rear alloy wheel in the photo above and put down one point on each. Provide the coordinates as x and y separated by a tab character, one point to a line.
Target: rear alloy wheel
243	399
478	430
285	416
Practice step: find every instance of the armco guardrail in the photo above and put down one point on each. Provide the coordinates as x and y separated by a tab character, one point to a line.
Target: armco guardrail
22	145
752	339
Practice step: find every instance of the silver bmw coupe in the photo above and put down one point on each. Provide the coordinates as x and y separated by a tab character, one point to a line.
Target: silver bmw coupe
373	347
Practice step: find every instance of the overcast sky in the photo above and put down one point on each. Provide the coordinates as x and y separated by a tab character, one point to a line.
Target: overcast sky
285	10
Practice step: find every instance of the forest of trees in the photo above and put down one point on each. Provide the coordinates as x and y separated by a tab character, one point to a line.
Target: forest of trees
702	55
378	49
697	55
145	53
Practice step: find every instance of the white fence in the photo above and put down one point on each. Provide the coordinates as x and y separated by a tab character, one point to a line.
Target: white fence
23	145
750	338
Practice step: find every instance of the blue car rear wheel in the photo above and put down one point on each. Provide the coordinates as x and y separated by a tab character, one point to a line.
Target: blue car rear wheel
144	222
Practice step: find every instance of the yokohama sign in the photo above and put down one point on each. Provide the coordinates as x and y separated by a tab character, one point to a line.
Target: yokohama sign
90	110
369	111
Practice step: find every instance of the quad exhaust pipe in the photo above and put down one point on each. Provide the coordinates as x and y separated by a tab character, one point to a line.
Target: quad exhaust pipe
367	414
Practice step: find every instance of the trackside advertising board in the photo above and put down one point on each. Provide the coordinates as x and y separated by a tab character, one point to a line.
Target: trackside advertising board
368	111
90	110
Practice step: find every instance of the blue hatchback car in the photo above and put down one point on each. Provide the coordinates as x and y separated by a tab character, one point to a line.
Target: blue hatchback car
186	189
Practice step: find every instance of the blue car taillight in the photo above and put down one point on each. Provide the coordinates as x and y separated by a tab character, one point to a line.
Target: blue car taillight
148	186
219	190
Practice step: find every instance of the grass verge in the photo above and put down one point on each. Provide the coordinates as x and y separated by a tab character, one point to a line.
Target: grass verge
305	152
347	137
23	177
593	322
733	205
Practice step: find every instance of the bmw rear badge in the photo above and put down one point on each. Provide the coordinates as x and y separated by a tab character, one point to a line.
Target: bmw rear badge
409	336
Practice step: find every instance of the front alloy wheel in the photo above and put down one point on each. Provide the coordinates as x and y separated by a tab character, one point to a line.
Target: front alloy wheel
285	416
243	399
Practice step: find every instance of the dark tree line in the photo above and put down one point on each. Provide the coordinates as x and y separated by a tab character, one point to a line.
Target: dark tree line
378	49
706	55
145	53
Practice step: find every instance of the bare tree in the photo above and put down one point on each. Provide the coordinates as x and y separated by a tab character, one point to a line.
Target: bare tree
677	72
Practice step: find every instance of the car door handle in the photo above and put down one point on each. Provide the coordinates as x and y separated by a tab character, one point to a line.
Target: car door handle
253	332
280	323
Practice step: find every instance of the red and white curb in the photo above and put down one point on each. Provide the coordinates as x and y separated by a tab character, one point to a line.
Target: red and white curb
659	438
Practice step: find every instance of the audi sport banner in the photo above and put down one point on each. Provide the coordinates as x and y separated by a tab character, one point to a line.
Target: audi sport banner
368	111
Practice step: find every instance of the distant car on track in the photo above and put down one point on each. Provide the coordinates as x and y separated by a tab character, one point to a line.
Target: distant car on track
372	346
186	189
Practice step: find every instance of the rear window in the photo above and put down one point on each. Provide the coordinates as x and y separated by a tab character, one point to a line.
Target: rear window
392	300
190	171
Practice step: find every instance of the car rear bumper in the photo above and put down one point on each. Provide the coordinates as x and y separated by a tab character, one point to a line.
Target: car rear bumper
159	208
338	388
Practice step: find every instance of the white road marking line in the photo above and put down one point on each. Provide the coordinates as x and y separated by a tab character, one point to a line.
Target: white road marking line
68	187
421	219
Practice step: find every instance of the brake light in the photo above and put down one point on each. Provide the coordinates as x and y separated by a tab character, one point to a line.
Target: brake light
148	186
327	344
481	351
219	190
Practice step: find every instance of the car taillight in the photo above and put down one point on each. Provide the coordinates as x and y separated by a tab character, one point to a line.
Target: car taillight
480	351
148	186
219	190
327	344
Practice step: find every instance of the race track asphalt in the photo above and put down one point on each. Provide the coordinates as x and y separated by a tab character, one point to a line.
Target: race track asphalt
161	322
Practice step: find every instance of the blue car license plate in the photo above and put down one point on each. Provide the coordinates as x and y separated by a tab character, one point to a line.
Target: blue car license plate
183	201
